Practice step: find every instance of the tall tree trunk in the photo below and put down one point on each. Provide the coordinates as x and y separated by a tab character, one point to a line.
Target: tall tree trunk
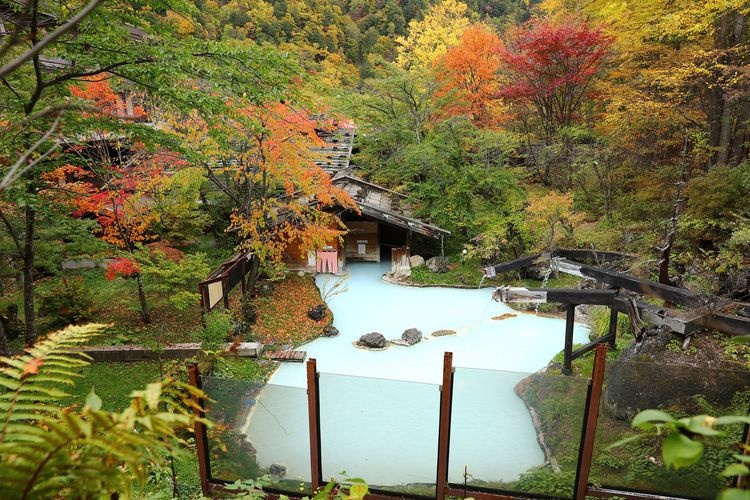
725	136
29	252
145	314
725	113
739	147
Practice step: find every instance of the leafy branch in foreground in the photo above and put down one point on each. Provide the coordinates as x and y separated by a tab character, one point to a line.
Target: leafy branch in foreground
350	489
683	442
49	451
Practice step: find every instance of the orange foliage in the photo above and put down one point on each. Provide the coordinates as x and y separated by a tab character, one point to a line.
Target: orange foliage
290	192
468	75
121	267
107	101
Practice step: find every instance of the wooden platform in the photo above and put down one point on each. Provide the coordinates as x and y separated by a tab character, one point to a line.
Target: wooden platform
296	356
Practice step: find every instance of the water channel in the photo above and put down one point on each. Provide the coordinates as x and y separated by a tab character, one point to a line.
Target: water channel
379	409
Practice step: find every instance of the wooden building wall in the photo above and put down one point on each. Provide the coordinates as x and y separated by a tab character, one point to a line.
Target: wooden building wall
298	258
362	242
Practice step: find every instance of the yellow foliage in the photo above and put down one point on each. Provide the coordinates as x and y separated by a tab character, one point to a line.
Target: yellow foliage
183	24
429	38
546	213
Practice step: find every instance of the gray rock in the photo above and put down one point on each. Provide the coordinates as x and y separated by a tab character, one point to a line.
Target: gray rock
402	273
277	470
79	264
330	331
374	340
438	264
443	333
416	261
317	312
412	336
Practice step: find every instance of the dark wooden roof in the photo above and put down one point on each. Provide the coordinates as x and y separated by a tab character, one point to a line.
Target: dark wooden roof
336	154
384	205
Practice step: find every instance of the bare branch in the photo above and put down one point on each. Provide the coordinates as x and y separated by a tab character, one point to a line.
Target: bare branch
104	69
21	166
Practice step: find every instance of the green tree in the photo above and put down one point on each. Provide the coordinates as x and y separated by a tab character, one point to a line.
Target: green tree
136	45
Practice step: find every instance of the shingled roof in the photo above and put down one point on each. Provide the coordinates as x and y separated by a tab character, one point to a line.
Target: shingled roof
384	204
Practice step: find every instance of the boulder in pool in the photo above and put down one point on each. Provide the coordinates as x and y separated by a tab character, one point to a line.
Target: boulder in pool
412	336
317	312
330	331
373	340
438	264
277	470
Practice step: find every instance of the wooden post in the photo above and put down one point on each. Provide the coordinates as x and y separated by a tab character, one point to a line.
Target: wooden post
612	332
444	429
199	431
313	411
569	324
225	292
203	305
590	418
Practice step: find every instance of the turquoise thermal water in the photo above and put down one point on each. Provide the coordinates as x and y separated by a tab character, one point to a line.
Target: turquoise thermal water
379	409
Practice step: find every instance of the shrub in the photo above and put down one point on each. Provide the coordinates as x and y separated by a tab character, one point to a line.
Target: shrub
68	303
217	330
177	281
546	481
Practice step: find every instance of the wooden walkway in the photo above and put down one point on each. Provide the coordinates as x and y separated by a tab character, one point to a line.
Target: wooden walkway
288	355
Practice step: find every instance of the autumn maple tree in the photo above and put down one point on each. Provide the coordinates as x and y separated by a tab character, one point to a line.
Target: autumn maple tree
260	159
468	75
123	184
430	37
551	66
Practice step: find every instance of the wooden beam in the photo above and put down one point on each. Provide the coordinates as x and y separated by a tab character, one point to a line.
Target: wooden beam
570	315
512	265
555	295
591	346
669	293
736	325
727	323
612	330
677	321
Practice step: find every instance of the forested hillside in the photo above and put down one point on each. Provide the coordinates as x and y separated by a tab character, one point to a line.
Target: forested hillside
145	143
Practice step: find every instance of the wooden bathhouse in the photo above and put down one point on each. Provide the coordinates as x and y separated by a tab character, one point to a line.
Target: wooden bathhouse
383	228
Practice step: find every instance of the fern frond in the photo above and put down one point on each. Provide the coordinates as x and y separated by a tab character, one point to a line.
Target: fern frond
25	378
49	451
